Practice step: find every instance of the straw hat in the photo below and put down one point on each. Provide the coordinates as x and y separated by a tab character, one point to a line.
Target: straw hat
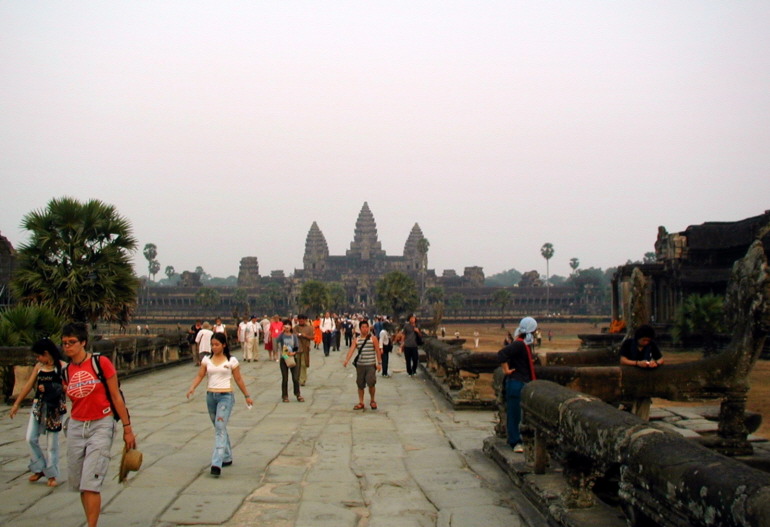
130	461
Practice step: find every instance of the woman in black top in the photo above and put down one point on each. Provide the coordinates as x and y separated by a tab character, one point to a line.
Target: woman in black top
48	408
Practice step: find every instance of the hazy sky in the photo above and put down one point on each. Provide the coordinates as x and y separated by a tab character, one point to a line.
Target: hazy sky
223	129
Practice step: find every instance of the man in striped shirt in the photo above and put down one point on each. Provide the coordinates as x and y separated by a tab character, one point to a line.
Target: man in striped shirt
368	362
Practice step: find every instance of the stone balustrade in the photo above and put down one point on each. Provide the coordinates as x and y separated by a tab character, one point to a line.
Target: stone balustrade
662	478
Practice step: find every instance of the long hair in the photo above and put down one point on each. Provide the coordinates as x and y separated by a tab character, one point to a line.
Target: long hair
46	344
221	337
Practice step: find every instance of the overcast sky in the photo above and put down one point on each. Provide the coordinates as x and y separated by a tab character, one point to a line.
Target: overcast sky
223	129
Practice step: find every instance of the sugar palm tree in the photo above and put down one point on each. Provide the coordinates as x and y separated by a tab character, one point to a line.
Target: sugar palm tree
501	298
396	294
77	261
547	252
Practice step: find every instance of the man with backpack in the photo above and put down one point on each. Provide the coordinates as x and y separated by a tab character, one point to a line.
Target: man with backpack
91	383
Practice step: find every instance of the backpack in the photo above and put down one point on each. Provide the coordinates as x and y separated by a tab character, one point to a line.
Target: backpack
95	364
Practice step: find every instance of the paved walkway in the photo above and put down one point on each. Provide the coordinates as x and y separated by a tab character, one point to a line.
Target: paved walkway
413	462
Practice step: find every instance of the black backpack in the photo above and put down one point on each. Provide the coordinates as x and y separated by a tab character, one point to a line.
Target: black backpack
96	365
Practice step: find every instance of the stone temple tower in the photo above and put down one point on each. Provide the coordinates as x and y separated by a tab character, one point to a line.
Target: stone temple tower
365	244
316	251
411	251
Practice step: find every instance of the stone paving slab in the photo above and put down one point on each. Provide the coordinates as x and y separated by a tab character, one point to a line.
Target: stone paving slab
413	462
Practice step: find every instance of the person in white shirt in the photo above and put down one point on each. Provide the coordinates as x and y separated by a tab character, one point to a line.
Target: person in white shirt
251	336
221	369
203	339
327	328
386	342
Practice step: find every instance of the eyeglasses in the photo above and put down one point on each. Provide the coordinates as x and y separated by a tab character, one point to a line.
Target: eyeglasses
67	343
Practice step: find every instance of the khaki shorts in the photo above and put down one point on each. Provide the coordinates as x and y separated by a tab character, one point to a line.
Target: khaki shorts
88	452
366	376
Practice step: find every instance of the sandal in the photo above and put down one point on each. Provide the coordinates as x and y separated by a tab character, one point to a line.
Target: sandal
373	405
286	399
359	406
36	476
52	482
300	399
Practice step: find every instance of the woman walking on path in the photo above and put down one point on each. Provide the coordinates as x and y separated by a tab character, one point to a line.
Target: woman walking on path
368	362
48	407
92	424
288	345
221	369
276	329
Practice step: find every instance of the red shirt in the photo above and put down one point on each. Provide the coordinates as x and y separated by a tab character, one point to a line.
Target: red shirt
86	391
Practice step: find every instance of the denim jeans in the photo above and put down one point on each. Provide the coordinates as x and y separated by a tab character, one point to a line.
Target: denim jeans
513	410
220	405
39	461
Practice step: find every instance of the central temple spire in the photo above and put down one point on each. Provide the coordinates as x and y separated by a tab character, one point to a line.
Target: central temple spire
365	243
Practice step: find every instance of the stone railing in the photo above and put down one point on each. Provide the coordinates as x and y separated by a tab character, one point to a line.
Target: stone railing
131	355
660	477
455	371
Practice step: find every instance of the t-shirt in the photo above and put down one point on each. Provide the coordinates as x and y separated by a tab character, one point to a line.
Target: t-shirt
517	357
410	336
630	350
204	340
86	391
219	376
368	355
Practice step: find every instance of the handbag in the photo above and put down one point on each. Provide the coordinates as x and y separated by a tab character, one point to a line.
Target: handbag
288	359
355	361
418	338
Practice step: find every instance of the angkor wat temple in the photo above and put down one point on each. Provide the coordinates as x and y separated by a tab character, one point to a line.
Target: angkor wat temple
696	260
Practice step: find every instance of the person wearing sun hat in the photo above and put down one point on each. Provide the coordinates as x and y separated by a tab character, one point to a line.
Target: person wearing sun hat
516	361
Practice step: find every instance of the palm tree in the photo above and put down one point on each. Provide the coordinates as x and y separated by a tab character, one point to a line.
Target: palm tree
23	325
170	271
150	252
547	252
207	297
422	248
154	268
314	296
396	293
337	296
502	298
700	315
77	262
574	263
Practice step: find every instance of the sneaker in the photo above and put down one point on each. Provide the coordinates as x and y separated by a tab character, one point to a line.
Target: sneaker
215	471
227	463
518	448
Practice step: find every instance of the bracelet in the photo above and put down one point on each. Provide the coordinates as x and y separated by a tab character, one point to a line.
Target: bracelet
127	424
247	396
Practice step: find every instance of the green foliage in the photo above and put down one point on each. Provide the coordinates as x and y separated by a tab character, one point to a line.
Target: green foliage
314	297
23	325
507	278
77	262
434	295
241	300
338	298
591	278
501	298
547	251
396	294
700	315
207	297
456	302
